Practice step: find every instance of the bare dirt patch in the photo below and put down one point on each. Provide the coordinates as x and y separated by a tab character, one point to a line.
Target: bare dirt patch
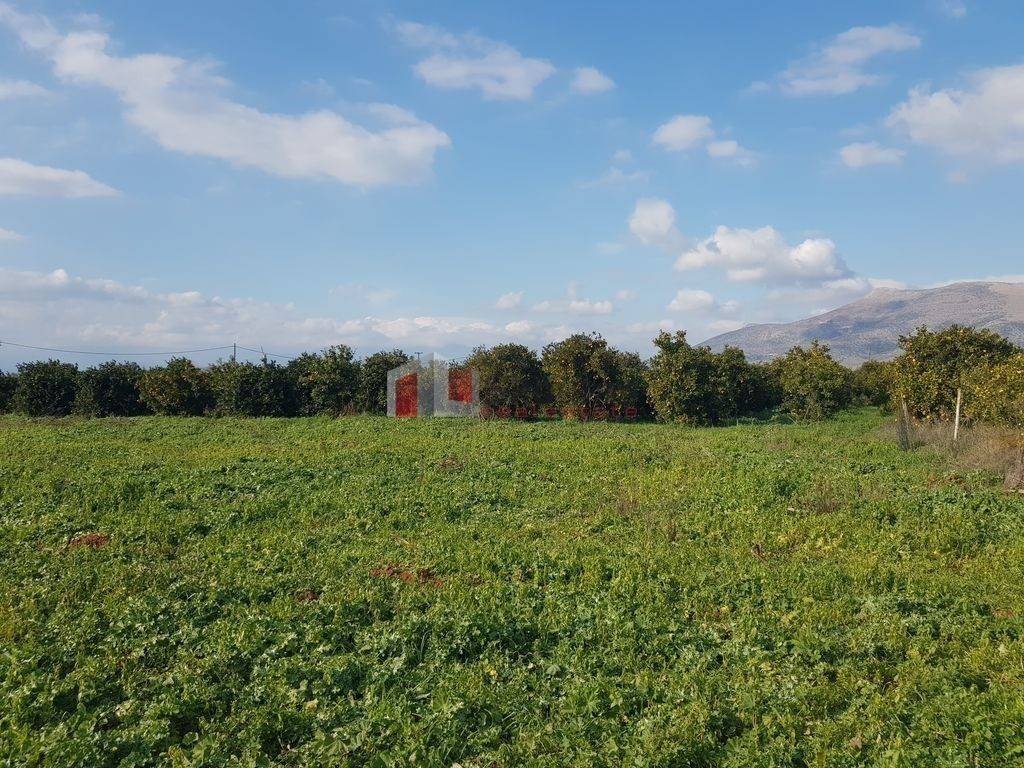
89	541
422	577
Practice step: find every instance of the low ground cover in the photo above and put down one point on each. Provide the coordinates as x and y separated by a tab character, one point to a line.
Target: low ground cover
362	591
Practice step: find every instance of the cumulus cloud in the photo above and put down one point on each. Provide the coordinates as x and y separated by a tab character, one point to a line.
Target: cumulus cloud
684	132
589	80
863	154
984	120
615	176
692	300
729	150
183	106
840	66
653	222
20	89
763	256
472	62
510	300
60	309
9	236
955	9
23	179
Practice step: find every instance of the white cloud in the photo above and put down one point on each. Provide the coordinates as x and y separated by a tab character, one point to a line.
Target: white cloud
472	62
24	179
763	256
955	9
8	236
985	120
683	132
590	80
653	326
863	154
182	105
60	309
839	66
622	156
19	89
728	149
625	294
692	300
588	307
510	300
831	293
653	222
519	327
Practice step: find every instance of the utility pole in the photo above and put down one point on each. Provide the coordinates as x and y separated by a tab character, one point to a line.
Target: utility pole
234	351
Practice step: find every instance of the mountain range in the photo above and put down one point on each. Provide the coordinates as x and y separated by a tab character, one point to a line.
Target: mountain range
870	327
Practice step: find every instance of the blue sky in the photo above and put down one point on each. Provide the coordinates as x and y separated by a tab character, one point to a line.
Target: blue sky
436	176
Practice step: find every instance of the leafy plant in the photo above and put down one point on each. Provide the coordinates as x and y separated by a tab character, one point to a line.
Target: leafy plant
696	385
873	383
327	382
934	364
110	389
585	374
46	388
177	389
8	384
245	389
510	376
814	385
372	394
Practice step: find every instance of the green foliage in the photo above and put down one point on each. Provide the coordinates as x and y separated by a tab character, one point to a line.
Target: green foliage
110	389
368	592
814	385
45	388
873	383
510	376
372	395
694	384
246	389
327	382
994	393
177	389
934	364
585	375
8	384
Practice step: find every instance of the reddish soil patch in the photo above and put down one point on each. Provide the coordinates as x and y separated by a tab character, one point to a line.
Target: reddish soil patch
307	596
89	541
419	576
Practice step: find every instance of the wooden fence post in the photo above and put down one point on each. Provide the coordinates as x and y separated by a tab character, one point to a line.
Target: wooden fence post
956	422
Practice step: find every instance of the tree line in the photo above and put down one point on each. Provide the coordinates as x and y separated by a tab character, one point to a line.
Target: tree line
581	376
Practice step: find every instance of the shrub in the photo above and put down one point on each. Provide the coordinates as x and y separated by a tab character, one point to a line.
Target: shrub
697	385
177	389
873	383
934	364
814	385
585	374
630	384
995	393
510	376
46	388
328	382
245	389
372	394
8	383
110	389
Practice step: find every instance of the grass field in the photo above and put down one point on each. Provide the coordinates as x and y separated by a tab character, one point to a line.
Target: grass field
370	592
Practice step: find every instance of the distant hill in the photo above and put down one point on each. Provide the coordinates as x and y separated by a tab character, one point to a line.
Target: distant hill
869	328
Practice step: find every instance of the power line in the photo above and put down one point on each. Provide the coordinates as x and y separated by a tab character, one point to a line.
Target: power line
114	354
